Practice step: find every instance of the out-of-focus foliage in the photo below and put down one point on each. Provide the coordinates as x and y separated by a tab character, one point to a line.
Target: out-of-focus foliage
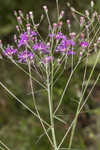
19	130
7	19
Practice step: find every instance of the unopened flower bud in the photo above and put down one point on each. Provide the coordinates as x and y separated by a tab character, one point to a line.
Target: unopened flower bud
0	44
28	25
27	17
31	14
28	29
55	25
94	14
98	39
68	4
45	8
87	27
20	13
61	14
87	13
81	53
19	20
95	44
59	61
15	38
82	35
15	13
99	17
60	24
48	44
17	28
92	3
95	47
68	23
82	20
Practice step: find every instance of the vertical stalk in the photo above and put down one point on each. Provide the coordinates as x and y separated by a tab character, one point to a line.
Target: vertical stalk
34	101
74	126
50	101
57	9
79	105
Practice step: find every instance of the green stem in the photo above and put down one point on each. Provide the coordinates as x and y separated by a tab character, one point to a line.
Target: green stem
57	9
78	109
50	100
74	126
35	105
60	102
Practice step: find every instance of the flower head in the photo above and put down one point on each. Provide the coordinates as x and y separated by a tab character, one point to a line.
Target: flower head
70	43
42	47
61	48
24	38
10	51
25	55
84	44
47	59
58	36
64	45
71	52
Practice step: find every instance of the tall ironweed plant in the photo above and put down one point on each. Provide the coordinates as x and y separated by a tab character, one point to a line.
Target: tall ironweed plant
49	58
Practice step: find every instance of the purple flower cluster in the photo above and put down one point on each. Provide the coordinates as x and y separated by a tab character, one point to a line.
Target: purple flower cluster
84	44
71	52
65	45
29	43
10	51
25	37
25	56
47	59
57	36
41	47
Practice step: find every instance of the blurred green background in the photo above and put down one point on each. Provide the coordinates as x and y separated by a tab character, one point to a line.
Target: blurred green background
18	129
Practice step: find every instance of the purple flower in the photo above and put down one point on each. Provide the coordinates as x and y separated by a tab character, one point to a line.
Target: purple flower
24	38
70	43
41	47
33	33
10	51
58	36
71	52
84	44
52	35
61	48
64	45
47	59
25	55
